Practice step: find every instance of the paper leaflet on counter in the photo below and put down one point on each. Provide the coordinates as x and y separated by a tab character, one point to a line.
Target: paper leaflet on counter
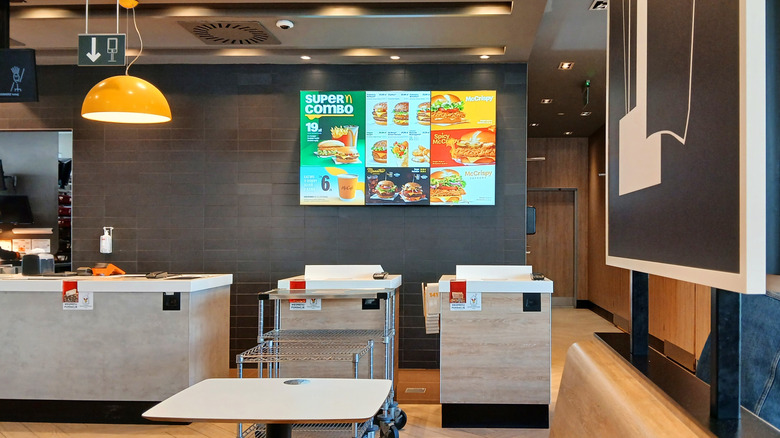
72	299
431	306
306	304
472	302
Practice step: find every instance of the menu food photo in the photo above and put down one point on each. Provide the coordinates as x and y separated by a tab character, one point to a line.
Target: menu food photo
398	147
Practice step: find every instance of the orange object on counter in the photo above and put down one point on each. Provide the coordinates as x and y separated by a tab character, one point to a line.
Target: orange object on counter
107	269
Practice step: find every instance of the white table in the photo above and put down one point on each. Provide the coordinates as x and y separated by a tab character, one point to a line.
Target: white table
278	403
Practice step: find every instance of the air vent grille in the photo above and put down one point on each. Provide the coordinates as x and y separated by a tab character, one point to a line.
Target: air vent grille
598	5
230	33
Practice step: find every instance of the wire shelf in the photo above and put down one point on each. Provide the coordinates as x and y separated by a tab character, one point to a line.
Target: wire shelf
318	430
323	335
273	351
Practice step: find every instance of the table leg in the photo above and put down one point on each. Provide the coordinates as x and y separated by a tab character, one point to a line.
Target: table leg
278	430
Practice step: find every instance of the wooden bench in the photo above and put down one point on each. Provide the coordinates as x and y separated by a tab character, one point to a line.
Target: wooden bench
602	395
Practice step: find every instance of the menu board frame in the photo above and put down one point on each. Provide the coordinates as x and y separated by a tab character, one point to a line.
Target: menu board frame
398	147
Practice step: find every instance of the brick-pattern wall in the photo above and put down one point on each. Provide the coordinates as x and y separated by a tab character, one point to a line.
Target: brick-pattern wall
216	190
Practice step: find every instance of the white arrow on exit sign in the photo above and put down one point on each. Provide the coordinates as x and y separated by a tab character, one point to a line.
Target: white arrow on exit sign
93	55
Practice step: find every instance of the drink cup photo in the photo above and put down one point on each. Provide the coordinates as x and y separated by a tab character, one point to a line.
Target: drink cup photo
347	185
352	135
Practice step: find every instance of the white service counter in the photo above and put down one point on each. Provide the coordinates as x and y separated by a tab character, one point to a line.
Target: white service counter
495	347
126	348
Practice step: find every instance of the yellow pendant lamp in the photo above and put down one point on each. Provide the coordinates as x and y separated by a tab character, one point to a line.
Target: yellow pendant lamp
125	98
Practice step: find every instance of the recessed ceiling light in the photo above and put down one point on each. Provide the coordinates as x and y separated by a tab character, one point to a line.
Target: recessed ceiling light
566	65
306	57
561	114
484	57
546	100
534	125
568	133
395	57
585	113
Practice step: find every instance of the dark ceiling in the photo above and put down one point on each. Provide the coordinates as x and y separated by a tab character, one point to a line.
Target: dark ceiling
542	33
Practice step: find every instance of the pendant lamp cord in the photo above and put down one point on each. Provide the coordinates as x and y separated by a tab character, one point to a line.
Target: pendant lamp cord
135	24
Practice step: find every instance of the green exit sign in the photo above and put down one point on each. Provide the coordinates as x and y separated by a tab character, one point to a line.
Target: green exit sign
101	49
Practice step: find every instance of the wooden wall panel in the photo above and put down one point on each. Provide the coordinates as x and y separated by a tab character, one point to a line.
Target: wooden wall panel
565	166
672	311
680	315
608	287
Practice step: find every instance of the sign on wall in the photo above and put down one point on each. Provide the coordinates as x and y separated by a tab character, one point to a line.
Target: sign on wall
101	49
18	76
398	147
685	141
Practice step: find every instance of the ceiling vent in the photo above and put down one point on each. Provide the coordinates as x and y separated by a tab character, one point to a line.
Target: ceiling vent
230	33
598	5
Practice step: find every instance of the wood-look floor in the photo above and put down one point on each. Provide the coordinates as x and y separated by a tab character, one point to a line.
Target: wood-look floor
424	421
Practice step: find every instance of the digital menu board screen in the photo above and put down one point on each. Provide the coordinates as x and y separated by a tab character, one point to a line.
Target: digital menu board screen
398	147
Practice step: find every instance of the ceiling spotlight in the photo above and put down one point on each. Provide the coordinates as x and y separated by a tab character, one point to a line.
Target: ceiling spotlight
284	24
533	125
395	57
306	57
484	57
568	133
561	114
566	65
546	100
585	113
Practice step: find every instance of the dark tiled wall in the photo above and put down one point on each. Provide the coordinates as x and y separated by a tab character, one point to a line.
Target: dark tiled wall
216	190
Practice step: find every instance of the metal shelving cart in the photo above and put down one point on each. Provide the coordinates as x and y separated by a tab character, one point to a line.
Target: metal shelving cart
317	340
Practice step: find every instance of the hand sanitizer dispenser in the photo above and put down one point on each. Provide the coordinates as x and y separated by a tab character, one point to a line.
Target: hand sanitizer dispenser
106	245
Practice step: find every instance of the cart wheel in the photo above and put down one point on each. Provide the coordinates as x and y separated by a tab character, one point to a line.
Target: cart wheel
400	419
372	432
389	432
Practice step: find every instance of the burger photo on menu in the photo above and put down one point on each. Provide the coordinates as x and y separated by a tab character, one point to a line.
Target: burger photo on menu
346	155
447	186
328	148
474	148
379	113
401	113
447	109
412	192
386	189
379	151
424	113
